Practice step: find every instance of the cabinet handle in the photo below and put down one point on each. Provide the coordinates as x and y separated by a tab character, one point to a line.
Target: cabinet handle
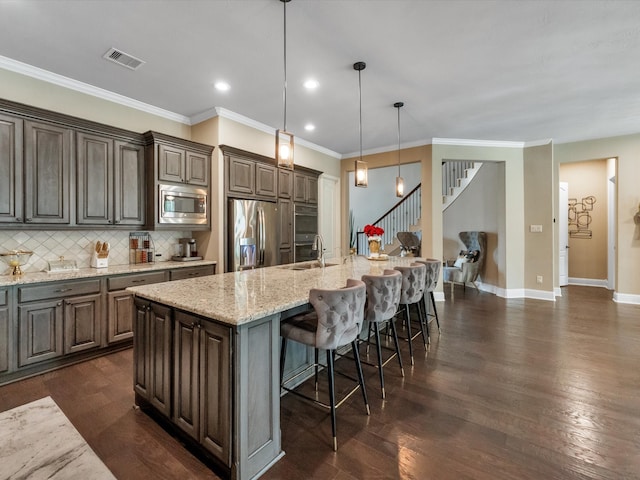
59	304
62	290
18	219
27	219
117	221
149	308
138	281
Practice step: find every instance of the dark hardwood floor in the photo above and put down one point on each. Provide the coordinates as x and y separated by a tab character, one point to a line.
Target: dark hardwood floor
512	389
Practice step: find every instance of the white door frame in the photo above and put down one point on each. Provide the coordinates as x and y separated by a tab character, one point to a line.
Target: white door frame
563	235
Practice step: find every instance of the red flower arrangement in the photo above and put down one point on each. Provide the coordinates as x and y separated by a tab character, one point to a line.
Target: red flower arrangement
371	231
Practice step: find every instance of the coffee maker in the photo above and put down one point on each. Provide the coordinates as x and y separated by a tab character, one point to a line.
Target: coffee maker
188	251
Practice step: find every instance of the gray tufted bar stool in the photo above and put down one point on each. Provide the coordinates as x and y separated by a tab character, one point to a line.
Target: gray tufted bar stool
335	321
413	282
383	298
431	282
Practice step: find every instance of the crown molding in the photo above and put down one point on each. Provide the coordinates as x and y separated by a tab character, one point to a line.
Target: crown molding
538	143
249	122
461	142
389	148
66	82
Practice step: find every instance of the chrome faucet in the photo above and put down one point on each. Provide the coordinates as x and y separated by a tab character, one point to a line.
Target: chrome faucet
318	245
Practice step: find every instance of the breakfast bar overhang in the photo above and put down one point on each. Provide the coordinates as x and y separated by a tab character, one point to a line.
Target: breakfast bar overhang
206	355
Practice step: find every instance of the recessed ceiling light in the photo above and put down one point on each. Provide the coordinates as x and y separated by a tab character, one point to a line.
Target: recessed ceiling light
309	127
222	86
311	84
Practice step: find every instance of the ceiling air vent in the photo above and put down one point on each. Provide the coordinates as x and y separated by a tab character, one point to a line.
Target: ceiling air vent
123	59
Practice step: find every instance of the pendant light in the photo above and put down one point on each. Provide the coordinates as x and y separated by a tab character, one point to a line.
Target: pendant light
361	170
284	139
399	179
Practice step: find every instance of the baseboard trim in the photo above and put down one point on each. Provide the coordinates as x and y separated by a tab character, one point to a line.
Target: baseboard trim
557	291
540	294
588	282
439	296
626	298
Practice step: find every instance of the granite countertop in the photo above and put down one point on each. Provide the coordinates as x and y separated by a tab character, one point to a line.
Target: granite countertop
237	298
40	277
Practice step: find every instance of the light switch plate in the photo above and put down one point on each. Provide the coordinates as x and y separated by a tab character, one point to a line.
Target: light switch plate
535	228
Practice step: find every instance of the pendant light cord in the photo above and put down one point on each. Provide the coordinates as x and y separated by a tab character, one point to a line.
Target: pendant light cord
360	92
399	142
284	93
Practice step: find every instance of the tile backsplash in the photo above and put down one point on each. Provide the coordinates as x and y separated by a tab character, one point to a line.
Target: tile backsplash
78	245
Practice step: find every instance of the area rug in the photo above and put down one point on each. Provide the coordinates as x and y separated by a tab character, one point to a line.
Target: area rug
37	441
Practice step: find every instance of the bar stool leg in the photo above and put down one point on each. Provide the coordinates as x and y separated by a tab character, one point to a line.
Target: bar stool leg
426	314
435	310
283	352
332	399
376	331
356	357
422	322
316	367
397	344
407	323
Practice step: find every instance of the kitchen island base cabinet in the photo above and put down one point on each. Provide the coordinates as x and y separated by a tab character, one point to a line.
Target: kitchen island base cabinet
5	331
152	339
202	375
225	386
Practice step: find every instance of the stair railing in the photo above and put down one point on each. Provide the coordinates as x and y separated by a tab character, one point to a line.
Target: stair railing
399	218
452	172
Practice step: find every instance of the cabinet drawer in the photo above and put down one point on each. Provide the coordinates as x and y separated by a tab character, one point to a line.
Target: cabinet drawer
4	297
125	281
57	290
182	273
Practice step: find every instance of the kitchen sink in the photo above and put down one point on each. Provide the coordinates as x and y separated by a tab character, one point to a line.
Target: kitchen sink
306	266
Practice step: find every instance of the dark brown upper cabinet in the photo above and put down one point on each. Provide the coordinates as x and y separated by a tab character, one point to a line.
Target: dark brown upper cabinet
11	129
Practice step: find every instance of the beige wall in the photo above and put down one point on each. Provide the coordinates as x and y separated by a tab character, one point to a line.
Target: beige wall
37	93
511	276
539	210
480	207
588	256
627	150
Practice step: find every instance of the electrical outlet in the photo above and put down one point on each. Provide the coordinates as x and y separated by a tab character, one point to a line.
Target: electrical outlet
539	279
535	228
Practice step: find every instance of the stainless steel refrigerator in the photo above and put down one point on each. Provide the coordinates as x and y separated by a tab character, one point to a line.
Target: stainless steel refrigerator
253	235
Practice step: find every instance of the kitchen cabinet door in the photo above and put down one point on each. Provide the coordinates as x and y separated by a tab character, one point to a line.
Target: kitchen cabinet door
285	183
120	315
130	192
40	332
152	354
171	164
10	169
197	169
285	212
299	187
82	325
186	404
5	332
312	189
47	150
266	180
241	175
215	390
94	179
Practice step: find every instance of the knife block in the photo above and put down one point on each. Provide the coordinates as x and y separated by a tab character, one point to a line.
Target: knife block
99	262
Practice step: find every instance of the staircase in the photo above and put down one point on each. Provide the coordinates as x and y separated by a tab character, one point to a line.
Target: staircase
403	217
406	214
456	175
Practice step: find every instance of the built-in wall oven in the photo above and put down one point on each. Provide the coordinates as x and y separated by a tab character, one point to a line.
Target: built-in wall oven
182	204
305	228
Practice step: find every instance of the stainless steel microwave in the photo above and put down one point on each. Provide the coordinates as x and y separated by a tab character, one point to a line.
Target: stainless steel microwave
182	204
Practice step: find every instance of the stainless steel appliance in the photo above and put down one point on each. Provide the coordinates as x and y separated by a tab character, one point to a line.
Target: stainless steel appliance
253	235
182	204
188	251
305	229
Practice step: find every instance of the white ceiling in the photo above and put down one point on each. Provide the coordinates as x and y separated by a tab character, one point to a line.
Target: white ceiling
485	70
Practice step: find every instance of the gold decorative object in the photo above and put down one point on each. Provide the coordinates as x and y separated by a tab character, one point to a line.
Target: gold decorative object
15	259
374	246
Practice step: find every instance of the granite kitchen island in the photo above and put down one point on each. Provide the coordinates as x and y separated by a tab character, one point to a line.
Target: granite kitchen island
206	355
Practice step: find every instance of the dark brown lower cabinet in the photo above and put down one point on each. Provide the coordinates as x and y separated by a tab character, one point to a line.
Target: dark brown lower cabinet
119	316
40	332
82	323
201	388
152	335
5	334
